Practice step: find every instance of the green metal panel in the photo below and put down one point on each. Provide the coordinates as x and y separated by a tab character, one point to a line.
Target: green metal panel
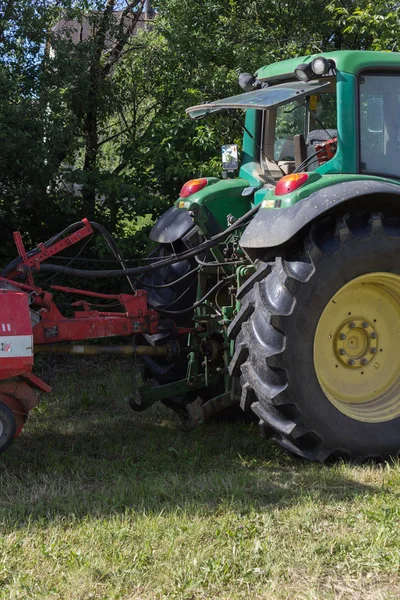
221	199
345	159
250	169
349	61
315	182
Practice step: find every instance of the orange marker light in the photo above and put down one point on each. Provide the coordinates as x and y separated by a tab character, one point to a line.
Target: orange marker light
289	183
192	186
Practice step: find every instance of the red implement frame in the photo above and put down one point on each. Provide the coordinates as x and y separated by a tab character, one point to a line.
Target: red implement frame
134	316
30	312
42	253
87	324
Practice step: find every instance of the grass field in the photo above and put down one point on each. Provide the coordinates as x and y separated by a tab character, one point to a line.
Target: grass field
99	502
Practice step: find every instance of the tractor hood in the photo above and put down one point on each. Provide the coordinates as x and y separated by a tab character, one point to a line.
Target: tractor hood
260	99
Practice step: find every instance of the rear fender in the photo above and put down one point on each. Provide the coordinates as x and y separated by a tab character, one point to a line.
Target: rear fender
275	227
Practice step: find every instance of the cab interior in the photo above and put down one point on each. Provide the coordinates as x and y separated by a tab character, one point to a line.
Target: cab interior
290	132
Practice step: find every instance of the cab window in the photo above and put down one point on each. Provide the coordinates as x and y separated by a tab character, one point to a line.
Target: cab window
313	117
379	106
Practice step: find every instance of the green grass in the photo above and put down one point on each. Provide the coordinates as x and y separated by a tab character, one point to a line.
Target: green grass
99	502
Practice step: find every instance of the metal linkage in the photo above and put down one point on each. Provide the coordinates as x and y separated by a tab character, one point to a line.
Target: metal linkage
42	252
168	351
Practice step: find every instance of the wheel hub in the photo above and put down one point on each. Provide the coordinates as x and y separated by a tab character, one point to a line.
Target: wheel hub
356	343
356	348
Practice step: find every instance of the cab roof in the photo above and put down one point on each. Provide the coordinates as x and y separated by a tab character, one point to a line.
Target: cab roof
349	61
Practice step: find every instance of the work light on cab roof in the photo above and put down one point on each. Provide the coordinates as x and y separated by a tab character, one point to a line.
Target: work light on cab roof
319	66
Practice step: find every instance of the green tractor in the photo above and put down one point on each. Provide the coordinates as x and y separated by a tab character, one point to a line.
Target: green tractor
276	291
298	313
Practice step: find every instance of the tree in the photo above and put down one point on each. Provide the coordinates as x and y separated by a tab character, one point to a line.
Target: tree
368	25
92	119
24	169
95	54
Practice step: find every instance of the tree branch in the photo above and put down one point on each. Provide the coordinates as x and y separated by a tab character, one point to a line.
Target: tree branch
125	31
113	137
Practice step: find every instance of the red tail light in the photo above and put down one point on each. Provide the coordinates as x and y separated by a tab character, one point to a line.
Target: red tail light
289	183
192	186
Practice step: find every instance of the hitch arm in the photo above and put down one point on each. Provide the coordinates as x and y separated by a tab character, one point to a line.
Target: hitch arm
43	252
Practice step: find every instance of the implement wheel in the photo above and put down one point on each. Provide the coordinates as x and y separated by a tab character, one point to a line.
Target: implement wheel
318	338
8	427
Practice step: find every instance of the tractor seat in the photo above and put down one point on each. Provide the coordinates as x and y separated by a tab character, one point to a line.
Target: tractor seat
320	135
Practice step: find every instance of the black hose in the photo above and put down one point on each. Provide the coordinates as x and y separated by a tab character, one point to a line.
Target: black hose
111	261
167	285
168	306
114	249
96	227
310	159
158	265
216	287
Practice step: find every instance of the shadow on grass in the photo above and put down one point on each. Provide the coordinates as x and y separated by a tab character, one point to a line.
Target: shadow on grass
84	452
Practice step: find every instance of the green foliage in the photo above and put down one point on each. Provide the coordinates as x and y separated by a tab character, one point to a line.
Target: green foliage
368	25
96	125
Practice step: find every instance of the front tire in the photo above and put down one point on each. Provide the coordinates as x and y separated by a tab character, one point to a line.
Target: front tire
317	341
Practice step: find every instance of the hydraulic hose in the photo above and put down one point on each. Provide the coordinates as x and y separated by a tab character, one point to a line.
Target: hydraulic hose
215	288
167	285
216	239
114	249
96	227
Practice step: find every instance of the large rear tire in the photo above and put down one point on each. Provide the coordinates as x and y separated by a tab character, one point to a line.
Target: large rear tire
317	341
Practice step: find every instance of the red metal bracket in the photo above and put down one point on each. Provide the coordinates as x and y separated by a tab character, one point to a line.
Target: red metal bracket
44	253
22	252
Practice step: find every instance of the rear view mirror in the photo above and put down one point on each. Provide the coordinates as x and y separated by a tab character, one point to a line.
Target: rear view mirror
375	115
230	160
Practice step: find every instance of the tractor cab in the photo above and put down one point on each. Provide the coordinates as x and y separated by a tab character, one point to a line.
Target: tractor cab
335	114
291	122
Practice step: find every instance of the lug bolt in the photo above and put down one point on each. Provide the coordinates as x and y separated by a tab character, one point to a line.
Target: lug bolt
365	324
342	351
364	361
351	362
352	325
373	335
373	350
342	336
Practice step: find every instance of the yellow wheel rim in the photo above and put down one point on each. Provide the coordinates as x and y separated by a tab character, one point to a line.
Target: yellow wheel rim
357	348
